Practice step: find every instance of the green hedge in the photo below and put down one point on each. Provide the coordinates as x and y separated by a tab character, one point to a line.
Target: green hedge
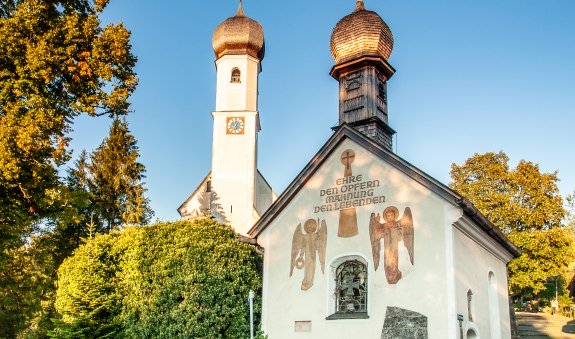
168	280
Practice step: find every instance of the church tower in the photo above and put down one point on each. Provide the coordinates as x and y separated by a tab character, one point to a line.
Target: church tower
361	44
234	192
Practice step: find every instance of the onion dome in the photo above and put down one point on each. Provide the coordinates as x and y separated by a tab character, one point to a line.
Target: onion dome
239	35
361	33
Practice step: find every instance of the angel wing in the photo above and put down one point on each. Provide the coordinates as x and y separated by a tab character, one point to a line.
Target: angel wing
406	223
321	244
297	247
375	242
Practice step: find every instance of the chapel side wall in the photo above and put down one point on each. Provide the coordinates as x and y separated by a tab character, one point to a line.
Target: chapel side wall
422	289
472	266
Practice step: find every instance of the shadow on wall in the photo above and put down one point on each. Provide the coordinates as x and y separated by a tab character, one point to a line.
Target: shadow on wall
210	206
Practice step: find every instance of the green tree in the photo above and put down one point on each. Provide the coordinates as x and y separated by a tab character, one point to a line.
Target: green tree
112	178
174	280
88	295
546	255
516	199
526	205
56	61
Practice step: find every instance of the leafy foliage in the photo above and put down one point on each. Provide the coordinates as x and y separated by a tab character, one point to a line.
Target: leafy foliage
173	280
88	296
546	254
56	62
516	199
526	205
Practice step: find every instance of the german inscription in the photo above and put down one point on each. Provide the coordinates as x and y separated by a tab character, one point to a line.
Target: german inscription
349	192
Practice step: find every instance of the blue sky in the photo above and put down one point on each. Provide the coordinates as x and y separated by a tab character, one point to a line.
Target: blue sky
472	77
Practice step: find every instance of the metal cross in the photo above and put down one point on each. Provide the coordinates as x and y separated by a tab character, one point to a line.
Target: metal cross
349	284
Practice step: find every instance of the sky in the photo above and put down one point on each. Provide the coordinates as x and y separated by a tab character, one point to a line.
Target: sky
471	77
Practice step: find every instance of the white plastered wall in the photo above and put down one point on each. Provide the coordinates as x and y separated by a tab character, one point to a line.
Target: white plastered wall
473	263
234	170
422	290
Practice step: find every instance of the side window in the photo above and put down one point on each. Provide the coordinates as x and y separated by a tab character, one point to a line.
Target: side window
350	291
470	305
236	75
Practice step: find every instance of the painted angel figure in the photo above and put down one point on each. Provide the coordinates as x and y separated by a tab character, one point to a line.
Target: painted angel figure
305	247
392	231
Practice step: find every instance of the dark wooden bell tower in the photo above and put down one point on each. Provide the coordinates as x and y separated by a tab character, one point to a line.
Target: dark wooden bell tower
363	96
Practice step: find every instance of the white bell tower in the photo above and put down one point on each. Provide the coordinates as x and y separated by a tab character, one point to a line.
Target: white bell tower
238	193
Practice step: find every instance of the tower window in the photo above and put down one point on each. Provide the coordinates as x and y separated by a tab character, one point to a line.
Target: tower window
382	90
209	186
236	75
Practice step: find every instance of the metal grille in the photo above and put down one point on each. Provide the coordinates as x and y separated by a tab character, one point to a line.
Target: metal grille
351	287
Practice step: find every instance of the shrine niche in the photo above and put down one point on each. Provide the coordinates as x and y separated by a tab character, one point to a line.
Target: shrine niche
392	231
306	246
347	217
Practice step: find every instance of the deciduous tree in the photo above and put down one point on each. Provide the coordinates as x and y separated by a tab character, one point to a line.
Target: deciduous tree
526	205
515	199
56	61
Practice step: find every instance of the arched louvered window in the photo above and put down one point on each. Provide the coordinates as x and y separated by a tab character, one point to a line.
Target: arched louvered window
236	75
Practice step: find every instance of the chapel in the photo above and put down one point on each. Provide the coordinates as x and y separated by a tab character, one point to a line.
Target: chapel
361	243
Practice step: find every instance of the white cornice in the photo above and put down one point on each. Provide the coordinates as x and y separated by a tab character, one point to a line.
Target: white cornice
479	236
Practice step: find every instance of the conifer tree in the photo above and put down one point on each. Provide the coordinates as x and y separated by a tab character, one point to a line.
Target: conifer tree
113	180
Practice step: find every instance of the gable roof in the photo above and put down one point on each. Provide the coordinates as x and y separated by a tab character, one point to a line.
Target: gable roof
346	132
194	192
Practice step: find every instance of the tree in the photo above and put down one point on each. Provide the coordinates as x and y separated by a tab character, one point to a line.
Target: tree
526	205
546	256
88	295
175	280
516	199
56	62
570	217
112	178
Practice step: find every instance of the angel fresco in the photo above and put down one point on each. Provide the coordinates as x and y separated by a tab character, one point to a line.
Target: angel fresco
305	247
392	231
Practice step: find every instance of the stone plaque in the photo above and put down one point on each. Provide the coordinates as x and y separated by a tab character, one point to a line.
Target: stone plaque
303	326
404	324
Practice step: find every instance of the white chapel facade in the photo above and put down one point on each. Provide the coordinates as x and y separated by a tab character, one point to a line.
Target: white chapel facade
234	192
362	243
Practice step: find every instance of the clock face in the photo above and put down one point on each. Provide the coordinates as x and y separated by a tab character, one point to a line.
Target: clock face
235	125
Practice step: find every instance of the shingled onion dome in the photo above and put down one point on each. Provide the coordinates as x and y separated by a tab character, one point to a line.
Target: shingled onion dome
361	33
239	35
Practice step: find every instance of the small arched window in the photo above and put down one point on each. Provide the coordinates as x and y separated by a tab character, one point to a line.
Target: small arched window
471	334
470	305
351	288
236	75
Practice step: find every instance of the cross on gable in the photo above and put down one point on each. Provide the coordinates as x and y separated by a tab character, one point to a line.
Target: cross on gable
347	158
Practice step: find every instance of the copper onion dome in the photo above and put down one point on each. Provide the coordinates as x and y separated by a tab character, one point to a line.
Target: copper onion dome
359	34
239	35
